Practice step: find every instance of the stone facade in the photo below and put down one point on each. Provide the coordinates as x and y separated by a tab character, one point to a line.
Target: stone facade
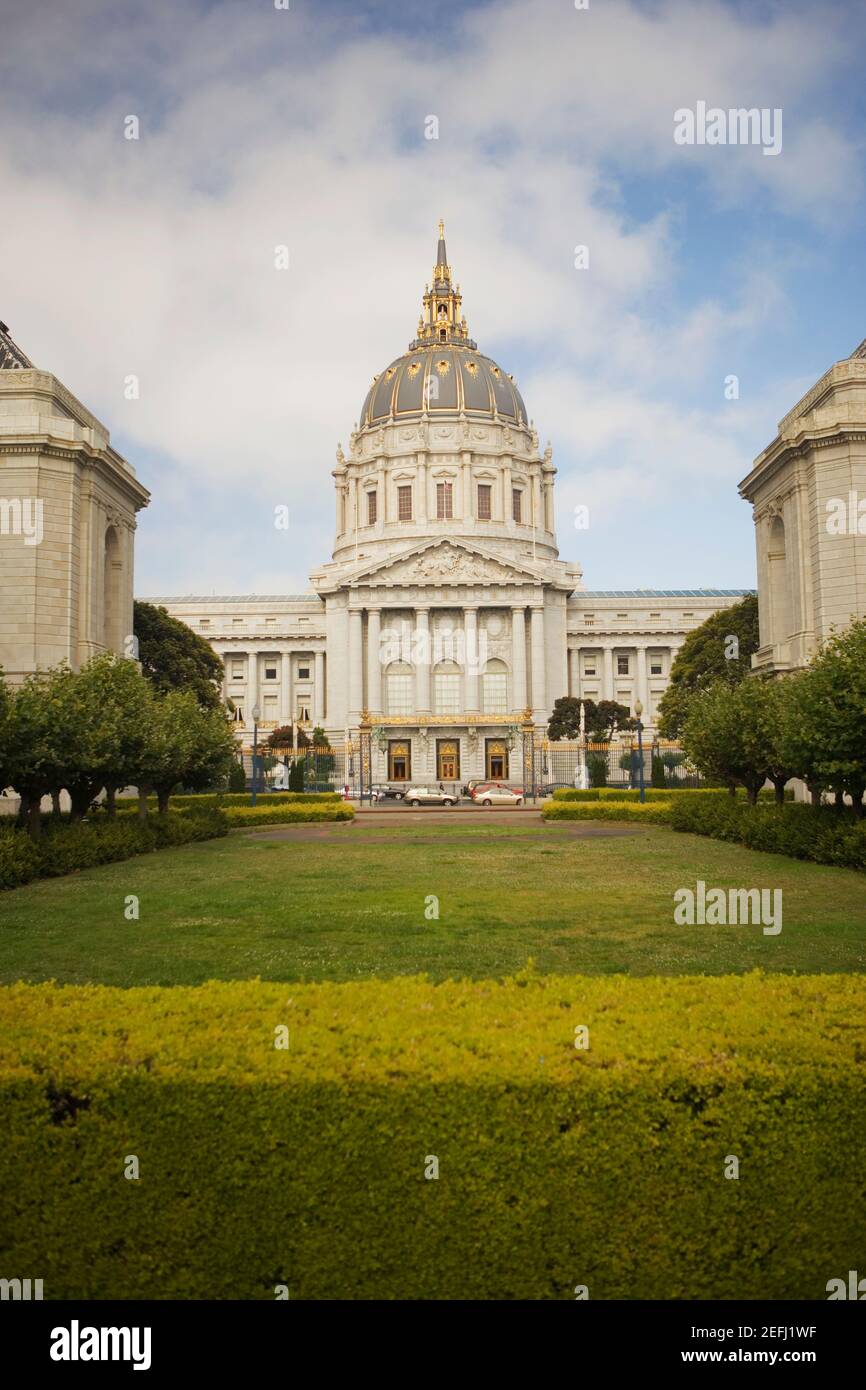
67	524
808	495
445	615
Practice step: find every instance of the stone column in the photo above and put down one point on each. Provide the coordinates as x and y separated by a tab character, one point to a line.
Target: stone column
356	693
538	658
319	688
471	701
642	689
422	669
374	665
252	685
518	659
285	687
506	490
574	672
537	517
607	674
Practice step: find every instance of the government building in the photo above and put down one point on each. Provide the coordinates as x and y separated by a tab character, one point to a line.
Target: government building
445	618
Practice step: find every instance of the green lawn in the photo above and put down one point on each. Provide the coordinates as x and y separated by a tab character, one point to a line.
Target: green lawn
350	905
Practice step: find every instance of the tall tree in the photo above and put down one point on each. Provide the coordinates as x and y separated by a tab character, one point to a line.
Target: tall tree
719	650
173	657
599	718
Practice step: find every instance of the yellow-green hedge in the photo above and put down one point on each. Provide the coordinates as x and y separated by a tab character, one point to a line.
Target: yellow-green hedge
557	1166
650	813
287	815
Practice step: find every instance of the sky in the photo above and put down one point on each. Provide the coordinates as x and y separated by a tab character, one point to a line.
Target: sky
307	127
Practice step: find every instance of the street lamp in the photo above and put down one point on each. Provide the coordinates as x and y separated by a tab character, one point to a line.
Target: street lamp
638	709
257	714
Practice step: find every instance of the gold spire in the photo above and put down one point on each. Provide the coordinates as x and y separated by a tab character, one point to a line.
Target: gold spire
441	319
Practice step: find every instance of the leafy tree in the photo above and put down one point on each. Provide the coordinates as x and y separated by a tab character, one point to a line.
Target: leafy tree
711	736
169	747
596	766
237	778
706	657
41	731
657	776
599	719
173	657
735	732
5	731
112	707
826	725
296	776
282	737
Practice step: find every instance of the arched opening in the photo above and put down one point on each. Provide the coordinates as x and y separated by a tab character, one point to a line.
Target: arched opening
111	591
780	602
400	683
446	688
494	687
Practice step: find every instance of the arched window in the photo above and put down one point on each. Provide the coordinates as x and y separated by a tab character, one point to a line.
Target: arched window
400	682
111	604
780	611
446	688
494	684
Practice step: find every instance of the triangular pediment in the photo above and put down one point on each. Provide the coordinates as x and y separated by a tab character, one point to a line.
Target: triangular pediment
445	562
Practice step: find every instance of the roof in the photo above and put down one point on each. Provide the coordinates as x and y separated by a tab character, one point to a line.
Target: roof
11	356
664	593
437	379
234	598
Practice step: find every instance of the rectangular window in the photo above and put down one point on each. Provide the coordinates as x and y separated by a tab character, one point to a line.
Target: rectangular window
303	673
444	502
404	503
400	692
589	670
237	622
237	670
622	666
447	693
485	493
304	710
270	673
204	622
371	509
655	615
655	666
270	708
516	504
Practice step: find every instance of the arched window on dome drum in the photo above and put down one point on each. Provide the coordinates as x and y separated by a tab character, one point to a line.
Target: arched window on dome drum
494	687
446	688
400	683
444	502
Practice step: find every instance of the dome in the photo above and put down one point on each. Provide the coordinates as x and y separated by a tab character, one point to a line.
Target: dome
442	379
443	371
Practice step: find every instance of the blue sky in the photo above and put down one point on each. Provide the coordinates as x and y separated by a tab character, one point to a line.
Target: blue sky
306	128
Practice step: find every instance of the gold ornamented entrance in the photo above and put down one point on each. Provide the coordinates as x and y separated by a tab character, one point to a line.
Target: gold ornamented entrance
447	759
399	760
496	759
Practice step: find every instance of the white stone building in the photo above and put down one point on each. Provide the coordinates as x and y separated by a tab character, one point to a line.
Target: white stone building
67	525
808	495
445	614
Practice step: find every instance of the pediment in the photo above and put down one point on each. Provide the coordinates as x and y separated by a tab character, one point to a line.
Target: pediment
445	562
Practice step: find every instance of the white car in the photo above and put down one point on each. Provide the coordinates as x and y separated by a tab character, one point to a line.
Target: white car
496	794
429	796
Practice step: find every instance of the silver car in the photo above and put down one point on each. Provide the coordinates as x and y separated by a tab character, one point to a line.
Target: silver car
496	794
430	796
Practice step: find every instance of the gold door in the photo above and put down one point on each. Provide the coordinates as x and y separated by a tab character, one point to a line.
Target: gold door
399	761
447	760
497	760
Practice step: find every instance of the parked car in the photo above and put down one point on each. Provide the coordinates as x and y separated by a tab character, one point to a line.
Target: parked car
496	794
386	793
430	796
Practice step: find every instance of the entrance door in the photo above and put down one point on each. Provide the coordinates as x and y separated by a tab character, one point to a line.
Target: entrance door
399	761
447	759
497	759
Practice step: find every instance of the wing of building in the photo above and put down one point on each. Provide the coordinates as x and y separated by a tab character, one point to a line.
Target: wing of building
445	613
67	524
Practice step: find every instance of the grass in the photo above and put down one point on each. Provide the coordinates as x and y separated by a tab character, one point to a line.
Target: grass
351	905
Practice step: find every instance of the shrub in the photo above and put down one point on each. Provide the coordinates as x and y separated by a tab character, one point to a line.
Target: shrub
658	772
305	1166
237	778
65	847
287	815
651	812
596	766
817	833
652	793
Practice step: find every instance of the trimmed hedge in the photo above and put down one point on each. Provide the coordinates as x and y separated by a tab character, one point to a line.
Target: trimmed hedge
557	1166
652	793
222	800
287	815
650	813
64	848
818	833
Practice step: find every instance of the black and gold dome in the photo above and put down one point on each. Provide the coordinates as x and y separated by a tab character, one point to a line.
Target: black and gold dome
443	371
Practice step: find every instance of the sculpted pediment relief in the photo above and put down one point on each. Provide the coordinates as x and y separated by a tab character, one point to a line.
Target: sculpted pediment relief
446	563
